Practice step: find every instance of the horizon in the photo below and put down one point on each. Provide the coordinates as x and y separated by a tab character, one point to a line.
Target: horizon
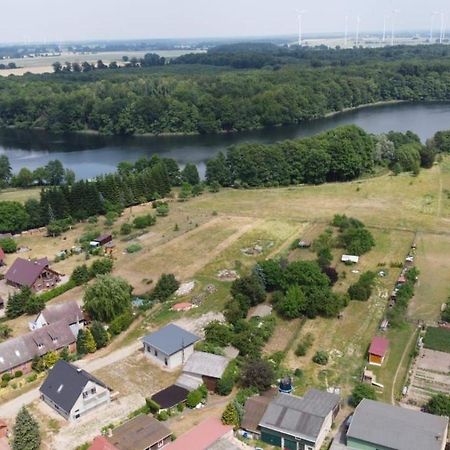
110	20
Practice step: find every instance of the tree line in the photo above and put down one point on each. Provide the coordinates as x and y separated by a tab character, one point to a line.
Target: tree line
341	154
191	98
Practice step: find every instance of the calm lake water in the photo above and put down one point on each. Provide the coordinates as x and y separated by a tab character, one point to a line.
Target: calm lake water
91	155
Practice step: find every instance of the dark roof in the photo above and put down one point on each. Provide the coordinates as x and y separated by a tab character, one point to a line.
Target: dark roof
103	238
390	426
65	383
171	339
25	272
300	417
68	311
139	433
254	410
20	350
170	396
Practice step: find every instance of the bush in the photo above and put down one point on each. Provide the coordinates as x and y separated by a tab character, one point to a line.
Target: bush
180	407
162	210
152	406
439	405
226	383
165	287
134	248
126	229
360	391
31	378
121	323
141	222
258	374
49	295
101	267
8	245
163	416
80	275
6	377
18	374
231	416
194	398
321	358
304	345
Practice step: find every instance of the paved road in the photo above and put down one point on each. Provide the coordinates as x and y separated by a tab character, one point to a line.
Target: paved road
12	407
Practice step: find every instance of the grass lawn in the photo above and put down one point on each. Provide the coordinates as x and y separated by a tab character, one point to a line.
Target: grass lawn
437	339
19	195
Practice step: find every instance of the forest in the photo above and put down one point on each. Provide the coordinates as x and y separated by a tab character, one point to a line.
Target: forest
203	98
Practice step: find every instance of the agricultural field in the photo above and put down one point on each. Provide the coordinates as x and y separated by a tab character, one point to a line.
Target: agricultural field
437	339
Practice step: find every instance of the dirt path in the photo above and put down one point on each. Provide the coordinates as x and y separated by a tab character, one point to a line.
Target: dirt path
11	408
405	352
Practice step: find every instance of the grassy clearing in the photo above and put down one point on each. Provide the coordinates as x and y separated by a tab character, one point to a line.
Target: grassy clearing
437	339
19	195
433	287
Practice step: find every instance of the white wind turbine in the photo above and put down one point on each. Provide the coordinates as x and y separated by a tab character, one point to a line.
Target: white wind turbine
385	19
433	15
346	31
300	26
396	11
358	22
442	33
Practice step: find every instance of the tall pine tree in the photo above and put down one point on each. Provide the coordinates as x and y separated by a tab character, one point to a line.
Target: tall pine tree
26	432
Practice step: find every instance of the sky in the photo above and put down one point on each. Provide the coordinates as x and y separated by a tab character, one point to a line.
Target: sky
65	20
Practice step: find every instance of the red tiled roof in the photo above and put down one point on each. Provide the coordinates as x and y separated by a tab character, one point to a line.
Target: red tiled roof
182	307
379	346
202	436
25	272
101	443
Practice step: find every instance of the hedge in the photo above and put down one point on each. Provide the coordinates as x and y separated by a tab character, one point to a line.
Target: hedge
49	295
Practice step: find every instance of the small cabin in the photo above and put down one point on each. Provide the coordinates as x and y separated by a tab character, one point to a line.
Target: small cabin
378	350
101	240
350	259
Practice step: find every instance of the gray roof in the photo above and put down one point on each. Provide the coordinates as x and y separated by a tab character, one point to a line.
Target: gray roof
65	383
300	417
68	311
398	428
206	364
20	350
171	339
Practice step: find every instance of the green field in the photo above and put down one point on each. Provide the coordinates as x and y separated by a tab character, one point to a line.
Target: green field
19	195
437	339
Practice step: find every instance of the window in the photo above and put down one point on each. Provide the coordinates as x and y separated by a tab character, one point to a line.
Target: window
85	394
156	352
161	444
93	390
165	361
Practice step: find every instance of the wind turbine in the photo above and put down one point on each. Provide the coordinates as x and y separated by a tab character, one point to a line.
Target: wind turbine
346	32
300	26
358	21
433	15
396	11
385	19
442	33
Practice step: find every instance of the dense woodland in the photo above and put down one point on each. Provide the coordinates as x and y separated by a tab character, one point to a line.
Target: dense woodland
194	98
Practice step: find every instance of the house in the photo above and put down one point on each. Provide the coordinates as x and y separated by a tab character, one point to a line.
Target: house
377	350
203	436
170	396
101	443
299	423
203	368
73	392
377	425
35	274
254	410
170	347
18	353
351	259
2	257
181	307
141	433
70	312
101	240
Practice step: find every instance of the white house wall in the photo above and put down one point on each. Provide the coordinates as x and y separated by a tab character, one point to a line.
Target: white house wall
172	361
83	406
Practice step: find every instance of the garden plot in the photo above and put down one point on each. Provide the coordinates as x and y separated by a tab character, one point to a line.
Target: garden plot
430	375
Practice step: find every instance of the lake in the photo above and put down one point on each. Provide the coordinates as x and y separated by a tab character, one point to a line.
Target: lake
90	155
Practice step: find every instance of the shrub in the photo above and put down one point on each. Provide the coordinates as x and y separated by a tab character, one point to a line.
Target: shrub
3	383
439	405
226	383
321	358
152	406
180	407
80	275
18	374
101	266
8	245
141	222
165	287
134	248
162	210
31	378
6	377
163	416
362	289
59	290
126	229
258	374
231	416
121	323
360	391
194	398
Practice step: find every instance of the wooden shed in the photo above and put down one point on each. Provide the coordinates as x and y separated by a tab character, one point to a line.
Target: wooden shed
377	351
